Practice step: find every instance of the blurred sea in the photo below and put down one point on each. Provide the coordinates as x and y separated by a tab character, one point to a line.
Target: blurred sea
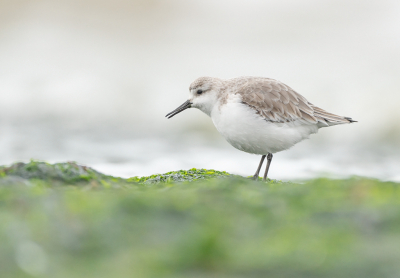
120	154
91	81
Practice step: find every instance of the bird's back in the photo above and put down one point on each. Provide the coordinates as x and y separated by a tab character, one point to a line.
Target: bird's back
278	103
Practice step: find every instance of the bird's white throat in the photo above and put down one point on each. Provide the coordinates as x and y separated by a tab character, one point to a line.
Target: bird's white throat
206	102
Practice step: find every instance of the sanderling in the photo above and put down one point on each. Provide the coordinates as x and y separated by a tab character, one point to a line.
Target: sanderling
258	115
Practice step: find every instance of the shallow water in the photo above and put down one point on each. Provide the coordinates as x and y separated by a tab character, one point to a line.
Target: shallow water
126	155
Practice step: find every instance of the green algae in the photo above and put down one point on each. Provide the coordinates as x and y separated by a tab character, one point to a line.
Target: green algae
58	174
181	176
71	173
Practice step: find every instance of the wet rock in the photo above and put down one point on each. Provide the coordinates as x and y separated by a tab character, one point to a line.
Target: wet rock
181	176
71	173
67	172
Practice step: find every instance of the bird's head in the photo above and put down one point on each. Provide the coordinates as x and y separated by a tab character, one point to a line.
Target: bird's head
203	94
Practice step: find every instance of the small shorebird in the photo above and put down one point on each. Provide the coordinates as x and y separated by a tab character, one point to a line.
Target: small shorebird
258	115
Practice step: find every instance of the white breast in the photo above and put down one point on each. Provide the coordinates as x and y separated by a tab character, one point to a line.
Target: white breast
247	131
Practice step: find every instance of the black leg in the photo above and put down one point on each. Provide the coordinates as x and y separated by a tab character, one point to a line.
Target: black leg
269	159
255	177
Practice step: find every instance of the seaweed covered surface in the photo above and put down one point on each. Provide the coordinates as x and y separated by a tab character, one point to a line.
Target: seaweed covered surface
58	174
67	220
73	174
181	176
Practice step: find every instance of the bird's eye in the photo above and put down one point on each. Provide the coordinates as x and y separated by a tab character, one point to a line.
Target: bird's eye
199	92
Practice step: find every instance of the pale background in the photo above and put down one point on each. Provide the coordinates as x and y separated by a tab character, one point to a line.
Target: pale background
91	81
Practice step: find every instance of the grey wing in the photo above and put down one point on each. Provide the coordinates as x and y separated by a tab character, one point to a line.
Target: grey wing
277	102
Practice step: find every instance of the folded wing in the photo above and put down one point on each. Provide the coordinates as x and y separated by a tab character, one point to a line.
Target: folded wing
277	102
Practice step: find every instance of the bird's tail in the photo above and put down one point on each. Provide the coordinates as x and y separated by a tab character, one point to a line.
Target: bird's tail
328	119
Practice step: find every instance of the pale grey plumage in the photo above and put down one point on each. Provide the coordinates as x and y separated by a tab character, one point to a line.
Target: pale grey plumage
272	100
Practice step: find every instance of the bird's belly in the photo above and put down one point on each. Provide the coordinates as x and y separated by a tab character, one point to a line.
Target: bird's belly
247	131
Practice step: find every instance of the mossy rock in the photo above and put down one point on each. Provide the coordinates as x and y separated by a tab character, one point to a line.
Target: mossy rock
181	176
66	173
71	173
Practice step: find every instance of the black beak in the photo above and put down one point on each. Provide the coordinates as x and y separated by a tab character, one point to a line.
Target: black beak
184	106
